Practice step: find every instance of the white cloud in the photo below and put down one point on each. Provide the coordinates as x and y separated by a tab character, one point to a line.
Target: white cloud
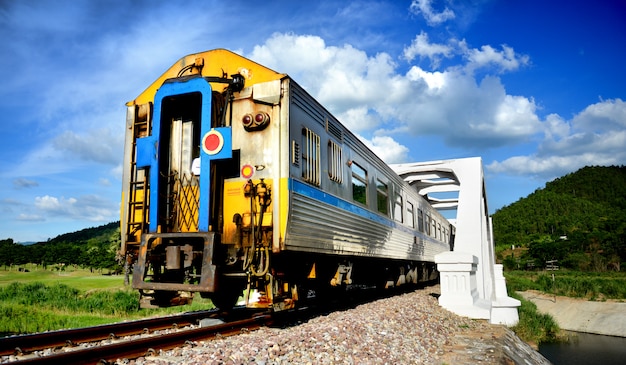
602	116
39	161
465	113
552	166
434	80
579	143
359	119
421	46
50	203
69	152
87	207
387	149
339	77
367	92
98	145
298	53
30	218
556	127
592	137
431	16
116	172
487	56
515	115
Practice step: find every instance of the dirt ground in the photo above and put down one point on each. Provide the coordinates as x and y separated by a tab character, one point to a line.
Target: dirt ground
490	344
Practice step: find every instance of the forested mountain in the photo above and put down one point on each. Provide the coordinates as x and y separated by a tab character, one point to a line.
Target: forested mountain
94	248
100	232
579	218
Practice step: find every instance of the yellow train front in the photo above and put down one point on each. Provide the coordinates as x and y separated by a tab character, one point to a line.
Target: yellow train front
238	184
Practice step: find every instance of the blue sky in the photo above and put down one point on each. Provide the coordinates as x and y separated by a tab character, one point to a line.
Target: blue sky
535	88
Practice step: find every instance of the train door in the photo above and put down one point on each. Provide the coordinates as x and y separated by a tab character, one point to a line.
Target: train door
180	187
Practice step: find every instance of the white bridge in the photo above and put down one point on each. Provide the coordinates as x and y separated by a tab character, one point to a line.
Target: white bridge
472	284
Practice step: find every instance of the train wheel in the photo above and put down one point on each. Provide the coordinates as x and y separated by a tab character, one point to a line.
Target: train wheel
225	300
227	295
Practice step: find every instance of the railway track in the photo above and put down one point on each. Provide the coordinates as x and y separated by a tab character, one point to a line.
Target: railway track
77	346
68	350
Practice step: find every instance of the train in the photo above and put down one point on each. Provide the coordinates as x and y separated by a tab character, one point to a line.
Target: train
240	187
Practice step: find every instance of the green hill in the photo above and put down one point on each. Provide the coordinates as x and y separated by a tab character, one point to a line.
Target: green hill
578	219
100	232
94	248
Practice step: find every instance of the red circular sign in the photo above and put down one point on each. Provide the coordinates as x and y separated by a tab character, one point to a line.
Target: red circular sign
212	142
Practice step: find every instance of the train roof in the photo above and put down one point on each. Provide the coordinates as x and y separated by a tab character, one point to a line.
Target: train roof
217	62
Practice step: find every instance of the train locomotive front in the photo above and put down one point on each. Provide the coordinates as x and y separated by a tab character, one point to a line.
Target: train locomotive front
240	186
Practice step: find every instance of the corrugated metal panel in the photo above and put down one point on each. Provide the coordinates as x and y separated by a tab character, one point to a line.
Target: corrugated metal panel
334	129
315	226
303	100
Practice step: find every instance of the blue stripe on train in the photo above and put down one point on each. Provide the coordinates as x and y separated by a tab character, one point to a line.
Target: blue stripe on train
317	194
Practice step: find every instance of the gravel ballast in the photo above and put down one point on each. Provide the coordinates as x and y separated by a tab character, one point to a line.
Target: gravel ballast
406	329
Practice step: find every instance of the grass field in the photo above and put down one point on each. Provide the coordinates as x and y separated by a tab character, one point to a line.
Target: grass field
595	286
35	300
80	279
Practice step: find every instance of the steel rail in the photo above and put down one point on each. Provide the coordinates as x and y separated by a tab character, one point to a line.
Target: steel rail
23	344
146	346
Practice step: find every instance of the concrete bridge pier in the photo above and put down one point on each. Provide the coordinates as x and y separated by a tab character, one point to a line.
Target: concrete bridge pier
472	284
459	294
503	308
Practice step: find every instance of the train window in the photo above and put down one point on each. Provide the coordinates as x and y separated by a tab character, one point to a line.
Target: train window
397	211
420	220
335	167
439	230
433	228
382	197
409	215
359	184
427	224
310	156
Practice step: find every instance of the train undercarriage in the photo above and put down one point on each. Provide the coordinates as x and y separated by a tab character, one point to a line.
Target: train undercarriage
175	270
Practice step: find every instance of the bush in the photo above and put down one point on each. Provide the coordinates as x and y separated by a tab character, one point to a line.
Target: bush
510	263
111	303
608	285
534	327
59	296
63	297
519	282
577	261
